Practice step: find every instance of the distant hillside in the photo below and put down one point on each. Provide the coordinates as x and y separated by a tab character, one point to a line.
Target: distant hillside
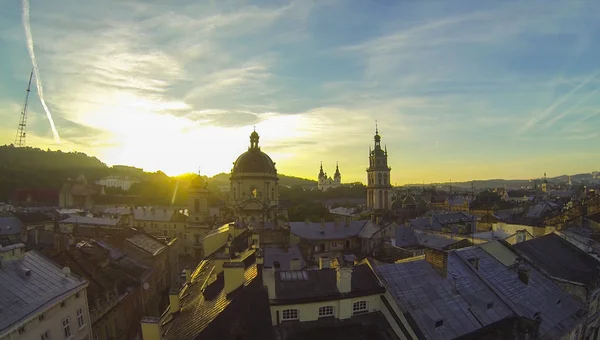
223	179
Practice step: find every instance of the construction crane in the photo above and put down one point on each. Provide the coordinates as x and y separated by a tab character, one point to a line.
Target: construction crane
22	129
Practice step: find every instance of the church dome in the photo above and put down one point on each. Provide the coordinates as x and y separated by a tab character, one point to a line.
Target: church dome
254	160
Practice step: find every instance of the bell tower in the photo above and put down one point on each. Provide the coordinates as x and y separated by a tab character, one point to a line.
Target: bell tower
379	189
198	200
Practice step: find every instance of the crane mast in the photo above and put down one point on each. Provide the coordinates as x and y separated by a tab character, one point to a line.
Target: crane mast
20	139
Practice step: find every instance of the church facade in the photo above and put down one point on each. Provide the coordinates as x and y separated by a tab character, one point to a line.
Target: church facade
326	183
379	189
254	190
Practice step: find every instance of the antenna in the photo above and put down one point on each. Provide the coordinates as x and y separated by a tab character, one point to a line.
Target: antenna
22	129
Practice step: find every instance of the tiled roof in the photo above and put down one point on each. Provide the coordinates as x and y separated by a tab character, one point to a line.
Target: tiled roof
22	296
405	236
85	220
158	214
321	285
326	230
33	217
559	310
559	258
456	217
10	226
147	243
272	254
462	302
207	312
370	228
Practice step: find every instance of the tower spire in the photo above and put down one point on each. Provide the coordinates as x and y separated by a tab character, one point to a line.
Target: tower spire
376	128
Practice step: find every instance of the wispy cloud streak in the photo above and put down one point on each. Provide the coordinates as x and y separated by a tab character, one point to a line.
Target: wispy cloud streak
38	81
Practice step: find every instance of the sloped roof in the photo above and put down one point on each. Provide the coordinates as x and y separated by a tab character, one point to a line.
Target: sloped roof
405	236
272	254
559	310
22	296
560	258
85	220
462	301
326	230
321	285
10	226
455	217
157	214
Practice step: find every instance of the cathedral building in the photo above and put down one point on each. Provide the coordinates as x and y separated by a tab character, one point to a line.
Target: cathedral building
326	183
254	187
379	189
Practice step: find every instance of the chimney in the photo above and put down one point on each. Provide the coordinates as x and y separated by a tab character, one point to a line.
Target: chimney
323	262
234	275
151	329
219	260
188	276
174	301
295	264
344	278
269	281
12	252
438	260
523	273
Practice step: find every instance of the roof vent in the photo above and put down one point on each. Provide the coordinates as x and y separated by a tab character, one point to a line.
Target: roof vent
321	231
26	272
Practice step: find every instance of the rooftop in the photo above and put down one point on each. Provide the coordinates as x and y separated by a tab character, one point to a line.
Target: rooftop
158	214
207	312
23	296
454	217
560	259
10	225
560	311
147	243
327	230
95	221
321	285
443	308
273	254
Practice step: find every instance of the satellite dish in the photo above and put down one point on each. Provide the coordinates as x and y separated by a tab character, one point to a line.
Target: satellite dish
66	271
146	285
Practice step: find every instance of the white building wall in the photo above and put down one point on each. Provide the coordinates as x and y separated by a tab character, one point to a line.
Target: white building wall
50	321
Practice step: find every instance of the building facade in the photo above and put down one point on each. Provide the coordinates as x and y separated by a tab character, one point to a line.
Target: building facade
326	183
59	310
117	182
379	189
254	186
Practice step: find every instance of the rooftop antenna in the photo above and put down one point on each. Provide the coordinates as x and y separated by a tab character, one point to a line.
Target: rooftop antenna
20	139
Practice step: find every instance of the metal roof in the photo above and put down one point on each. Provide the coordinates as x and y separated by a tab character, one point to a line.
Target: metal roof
23	296
272	254
85	220
560	311
327	230
10	226
458	304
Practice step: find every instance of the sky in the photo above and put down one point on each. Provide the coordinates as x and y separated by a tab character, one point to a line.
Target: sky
461	90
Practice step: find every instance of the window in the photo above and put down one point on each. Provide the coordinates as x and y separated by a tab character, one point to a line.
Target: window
290	314
326	311
22	330
80	318
77	295
66	328
45	336
359	307
333	245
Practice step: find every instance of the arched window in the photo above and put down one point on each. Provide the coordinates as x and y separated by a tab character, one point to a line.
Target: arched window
196	205
385	179
273	193
379	179
234	193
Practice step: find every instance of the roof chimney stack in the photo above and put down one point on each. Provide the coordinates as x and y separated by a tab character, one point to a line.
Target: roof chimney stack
438	260
174	301
344	278
234	275
323	262
151	329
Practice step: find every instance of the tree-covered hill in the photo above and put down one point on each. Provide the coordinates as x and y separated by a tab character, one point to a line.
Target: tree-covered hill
289	181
